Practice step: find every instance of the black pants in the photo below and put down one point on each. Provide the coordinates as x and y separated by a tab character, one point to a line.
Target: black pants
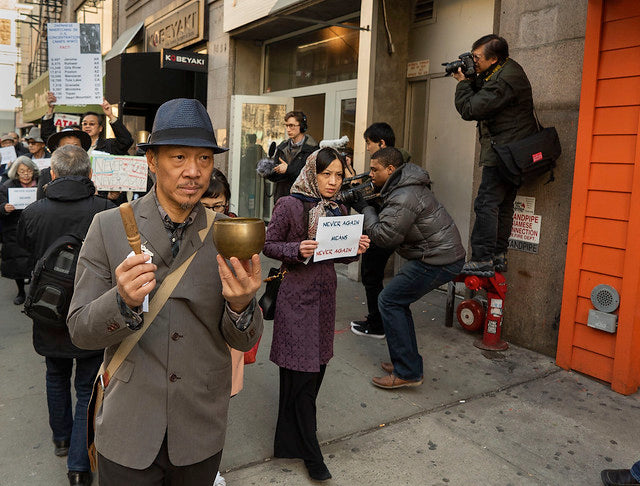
160	473
296	428
374	261
494	215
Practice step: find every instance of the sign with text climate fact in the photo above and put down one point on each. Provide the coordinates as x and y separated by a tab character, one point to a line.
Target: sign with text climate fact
75	63
183	60
338	237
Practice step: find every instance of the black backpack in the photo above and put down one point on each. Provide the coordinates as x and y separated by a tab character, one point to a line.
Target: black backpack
51	288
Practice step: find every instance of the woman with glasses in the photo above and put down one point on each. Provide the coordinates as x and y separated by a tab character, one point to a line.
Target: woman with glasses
291	154
218	195
17	262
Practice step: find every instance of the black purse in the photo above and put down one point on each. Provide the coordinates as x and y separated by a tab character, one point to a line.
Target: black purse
269	299
526	159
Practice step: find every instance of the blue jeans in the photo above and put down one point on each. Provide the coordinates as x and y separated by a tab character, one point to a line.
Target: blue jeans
414	280
64	424
635	471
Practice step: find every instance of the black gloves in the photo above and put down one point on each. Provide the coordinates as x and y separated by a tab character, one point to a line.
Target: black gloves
359	202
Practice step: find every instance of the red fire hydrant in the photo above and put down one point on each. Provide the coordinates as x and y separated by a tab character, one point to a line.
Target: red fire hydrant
471	312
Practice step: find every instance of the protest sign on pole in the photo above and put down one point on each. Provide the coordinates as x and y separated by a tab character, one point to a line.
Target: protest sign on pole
119	173
75	63
64	120
338	237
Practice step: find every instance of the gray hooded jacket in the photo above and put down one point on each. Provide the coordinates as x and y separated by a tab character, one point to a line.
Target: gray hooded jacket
412	221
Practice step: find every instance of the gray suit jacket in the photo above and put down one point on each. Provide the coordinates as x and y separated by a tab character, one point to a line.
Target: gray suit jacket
178	377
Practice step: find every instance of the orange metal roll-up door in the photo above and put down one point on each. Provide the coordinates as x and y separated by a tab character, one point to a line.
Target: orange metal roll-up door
604	229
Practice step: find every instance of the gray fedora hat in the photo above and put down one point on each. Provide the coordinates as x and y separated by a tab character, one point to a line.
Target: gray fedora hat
34	134
183	121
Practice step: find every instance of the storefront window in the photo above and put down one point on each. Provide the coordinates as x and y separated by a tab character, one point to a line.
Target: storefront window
98	12
322	56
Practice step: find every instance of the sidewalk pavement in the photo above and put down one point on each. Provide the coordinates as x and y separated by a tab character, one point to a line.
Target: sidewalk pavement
508	418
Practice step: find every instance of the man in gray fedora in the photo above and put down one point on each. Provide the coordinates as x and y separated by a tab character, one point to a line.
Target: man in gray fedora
163	419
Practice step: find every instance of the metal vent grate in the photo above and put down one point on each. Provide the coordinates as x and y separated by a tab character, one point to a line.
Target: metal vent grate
424	10
605	298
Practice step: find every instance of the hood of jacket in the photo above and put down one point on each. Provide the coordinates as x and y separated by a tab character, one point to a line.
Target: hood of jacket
70	188
404	176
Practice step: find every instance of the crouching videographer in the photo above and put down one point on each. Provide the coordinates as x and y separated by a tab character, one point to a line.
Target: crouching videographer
499	98
414	224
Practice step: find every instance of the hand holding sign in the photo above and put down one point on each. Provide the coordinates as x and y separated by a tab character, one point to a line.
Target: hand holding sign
340	237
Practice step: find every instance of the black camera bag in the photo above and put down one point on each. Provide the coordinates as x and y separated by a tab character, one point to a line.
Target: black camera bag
51	287
525	160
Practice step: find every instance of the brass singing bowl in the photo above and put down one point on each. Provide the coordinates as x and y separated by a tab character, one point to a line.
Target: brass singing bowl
239	237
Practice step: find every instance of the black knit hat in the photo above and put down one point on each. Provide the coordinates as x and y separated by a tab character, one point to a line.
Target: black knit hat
183	122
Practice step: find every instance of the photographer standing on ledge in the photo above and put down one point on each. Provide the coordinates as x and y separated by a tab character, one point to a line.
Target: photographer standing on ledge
499	98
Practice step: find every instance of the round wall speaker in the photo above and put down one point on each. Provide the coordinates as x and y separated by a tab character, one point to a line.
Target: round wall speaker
605	298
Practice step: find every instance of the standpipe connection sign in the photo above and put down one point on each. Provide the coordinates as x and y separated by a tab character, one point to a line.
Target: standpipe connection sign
525	231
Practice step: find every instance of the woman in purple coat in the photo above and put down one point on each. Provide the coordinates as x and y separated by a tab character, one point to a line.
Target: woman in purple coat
304	321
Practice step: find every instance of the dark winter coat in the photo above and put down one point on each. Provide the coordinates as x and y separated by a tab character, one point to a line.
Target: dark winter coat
412	221
304	322
502	105
68	209
17	262
294	165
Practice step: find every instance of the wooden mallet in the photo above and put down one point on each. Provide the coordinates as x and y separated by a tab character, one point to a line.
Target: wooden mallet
130	227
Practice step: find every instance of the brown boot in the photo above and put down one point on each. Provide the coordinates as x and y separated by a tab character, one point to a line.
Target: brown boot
392	381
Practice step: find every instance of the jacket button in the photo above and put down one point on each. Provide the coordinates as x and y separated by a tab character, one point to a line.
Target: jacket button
173	378
175	336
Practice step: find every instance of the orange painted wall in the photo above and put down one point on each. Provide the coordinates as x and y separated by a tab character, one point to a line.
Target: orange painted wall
604	229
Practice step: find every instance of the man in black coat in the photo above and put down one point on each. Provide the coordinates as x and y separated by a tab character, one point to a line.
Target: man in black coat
412	222
69	208
291	155
499	98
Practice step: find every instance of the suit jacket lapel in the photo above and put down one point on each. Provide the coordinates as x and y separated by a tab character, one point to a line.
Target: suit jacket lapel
191	240
152	231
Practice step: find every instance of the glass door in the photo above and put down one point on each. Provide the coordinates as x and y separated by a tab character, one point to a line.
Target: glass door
346	111
256	121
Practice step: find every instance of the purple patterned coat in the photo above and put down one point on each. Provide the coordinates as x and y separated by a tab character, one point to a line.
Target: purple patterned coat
304	322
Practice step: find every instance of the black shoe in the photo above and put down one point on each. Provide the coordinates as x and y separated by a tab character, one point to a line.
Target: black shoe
318	472
617	477
79	478
500	262
367	330
61	447
480	269
19	300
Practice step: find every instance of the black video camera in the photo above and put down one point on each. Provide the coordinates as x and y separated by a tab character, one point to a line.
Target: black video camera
349	193
465	61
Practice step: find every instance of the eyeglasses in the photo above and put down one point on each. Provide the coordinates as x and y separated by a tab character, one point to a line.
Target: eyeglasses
218	208
89	124
290	125
25	172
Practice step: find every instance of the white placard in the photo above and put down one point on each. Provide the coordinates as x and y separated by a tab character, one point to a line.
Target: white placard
524	204
119	173
42	163
8	154
21	197
64	120
75	63
338	237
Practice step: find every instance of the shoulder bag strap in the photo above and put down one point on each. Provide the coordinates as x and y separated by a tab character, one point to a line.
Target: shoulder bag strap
155	306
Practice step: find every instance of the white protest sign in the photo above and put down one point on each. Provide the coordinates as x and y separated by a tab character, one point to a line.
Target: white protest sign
21	197
119	173
42	163
338	237
8	154
75	63
525	232
63	120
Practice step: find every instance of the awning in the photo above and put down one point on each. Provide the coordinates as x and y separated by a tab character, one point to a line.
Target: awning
123	41
282	21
